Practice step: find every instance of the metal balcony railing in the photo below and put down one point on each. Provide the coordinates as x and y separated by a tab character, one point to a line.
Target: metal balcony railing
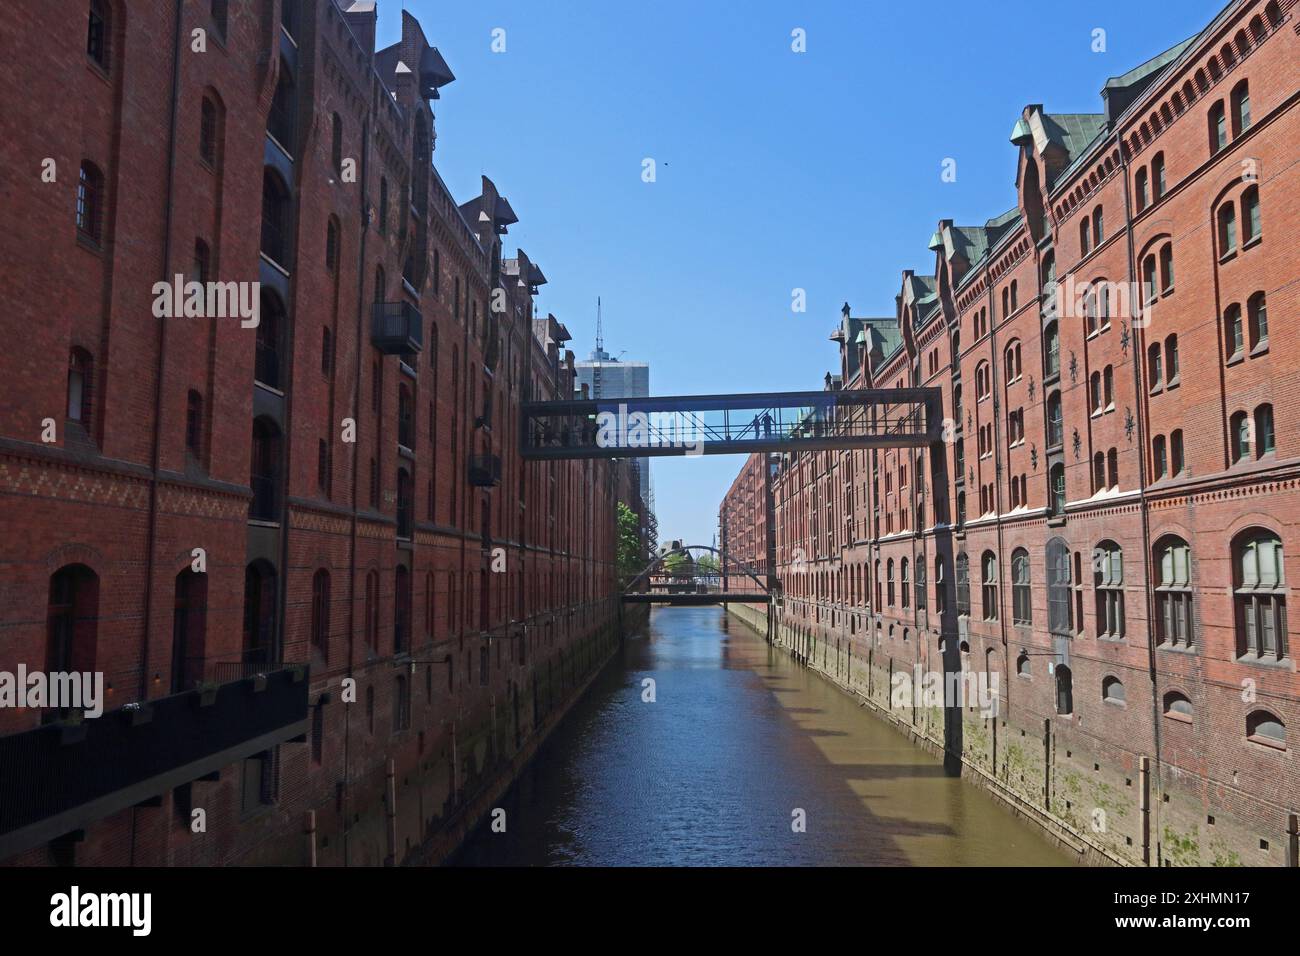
57	778
396	328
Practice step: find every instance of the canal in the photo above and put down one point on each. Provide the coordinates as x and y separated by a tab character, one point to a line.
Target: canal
712	772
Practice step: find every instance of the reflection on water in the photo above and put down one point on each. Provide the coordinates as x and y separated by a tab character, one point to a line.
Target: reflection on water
711	773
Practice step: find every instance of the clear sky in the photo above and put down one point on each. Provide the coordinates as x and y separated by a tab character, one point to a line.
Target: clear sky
775	170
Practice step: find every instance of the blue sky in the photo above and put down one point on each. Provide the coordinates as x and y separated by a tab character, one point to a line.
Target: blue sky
775	170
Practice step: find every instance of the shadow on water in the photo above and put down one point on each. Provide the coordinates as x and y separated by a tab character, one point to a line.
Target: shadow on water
738	744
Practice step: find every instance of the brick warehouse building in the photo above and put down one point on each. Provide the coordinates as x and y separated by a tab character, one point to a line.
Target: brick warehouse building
1106	527
347	469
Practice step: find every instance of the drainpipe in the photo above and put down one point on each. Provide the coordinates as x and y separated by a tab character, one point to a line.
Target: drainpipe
1139	346
161	365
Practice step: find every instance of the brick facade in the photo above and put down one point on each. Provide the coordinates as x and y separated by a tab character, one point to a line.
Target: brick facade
1107	525
362	507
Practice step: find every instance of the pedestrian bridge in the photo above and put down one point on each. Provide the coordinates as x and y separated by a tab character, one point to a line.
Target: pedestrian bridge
732	424
730	581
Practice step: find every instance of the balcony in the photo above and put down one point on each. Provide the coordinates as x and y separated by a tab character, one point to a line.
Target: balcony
55	782
396	328
485	471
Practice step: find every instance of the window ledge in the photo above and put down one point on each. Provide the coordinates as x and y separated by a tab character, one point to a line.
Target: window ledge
1236	357
1181	718
1156	389
1174	383
1228	256
1251	243
1176	648
1166	291
90	244
1269	662
1260	349
1268	742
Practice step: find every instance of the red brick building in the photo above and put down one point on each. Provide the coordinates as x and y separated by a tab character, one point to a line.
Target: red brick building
1107	527
333	608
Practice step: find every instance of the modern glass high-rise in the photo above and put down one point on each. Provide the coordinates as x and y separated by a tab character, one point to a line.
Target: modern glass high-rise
609	377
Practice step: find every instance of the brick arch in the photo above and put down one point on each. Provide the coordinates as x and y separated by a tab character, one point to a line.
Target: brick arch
76	553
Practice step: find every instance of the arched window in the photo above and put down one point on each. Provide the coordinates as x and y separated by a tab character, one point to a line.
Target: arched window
1013	295
1141	189
1056	487
1158	185
1266	728
963	583
336	144
264	471
905	583
982	381
1240	108
1257	311
320	612
90	202
1098	227
405	504
281	120
332	246
1094	386
1085	233
1022	664
1112	690
1060	618
381	283
889	581
383	205
1155	375
1218	128
405	417
99	33
1167	267
1264	440
71	624
402	611
1239	429
268	360
940	594
201	270
1108	581
1259	588
1178	706
1233	334
989	586
260	597
1051	351
194	424
189	628
1055	425
1171	358
1013	361
80	386
1021	604
1174	624
1227	229
275	218
1150	289
372	610
1251	229
208	131
1064	690
326	351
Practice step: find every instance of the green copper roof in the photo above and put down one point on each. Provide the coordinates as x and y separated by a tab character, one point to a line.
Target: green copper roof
1021	131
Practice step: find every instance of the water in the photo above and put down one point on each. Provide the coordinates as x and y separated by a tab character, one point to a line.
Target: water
738	738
